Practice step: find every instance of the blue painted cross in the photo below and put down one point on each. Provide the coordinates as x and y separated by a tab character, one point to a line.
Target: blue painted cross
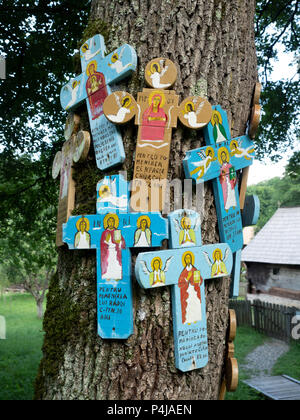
94	85
112	232
185	268
219	161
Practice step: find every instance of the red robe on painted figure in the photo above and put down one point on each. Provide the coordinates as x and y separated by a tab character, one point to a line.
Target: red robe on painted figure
98	97
188	287
111	255
154	130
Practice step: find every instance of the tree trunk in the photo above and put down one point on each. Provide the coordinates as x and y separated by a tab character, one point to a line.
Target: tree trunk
212	43
40	309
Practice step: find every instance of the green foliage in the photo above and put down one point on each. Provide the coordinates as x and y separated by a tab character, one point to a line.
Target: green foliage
293	167
38	40
277	23
279	126
275	193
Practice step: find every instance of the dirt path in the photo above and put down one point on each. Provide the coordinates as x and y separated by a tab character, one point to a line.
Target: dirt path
261	360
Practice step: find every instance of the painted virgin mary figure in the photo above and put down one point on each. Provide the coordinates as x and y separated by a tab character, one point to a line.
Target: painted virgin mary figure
228	179
154	120
112	243
219	131
189	283
96	90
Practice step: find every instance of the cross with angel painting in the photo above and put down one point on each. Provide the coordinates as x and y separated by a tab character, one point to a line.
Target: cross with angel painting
93	85
156	113
185	267
113	231
219	161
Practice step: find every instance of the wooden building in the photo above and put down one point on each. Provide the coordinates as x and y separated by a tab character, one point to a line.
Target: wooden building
273	256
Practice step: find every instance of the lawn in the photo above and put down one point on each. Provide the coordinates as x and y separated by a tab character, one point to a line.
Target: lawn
20	353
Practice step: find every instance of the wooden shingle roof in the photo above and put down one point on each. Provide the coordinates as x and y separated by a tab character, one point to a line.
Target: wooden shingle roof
279	240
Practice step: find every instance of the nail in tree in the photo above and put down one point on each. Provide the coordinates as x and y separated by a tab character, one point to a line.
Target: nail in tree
112	232
219	161
185	268
156	112
75	149
100	72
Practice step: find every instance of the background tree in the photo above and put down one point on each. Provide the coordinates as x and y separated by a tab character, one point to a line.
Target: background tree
38	39
212	44
277	27
276	193
28	258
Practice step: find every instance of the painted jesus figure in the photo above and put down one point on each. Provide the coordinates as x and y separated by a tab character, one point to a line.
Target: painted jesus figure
189	283
112	244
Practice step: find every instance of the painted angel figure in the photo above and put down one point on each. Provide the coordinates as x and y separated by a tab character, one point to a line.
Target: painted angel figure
238	151
218	266
87	53
208	157
108	194
157	277
157	72
187	230
123	106
116	62
192	116
73	91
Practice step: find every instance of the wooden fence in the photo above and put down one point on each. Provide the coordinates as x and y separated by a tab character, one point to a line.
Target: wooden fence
269	319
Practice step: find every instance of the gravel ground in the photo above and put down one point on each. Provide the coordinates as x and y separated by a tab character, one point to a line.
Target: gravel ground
260	362
275	299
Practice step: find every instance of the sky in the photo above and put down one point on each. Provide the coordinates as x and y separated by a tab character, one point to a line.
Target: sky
263	171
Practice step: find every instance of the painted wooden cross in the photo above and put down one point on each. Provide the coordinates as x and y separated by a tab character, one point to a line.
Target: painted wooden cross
100	72
112	232
185	268
219	161
75	149
156	112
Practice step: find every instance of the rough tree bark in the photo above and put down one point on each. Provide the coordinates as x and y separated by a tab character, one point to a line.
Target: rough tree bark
212	43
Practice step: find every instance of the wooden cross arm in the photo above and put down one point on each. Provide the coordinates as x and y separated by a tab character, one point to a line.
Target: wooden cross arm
116	66
120	107
202	164
84	225
119	64
73	93
138	230
164	268
205	164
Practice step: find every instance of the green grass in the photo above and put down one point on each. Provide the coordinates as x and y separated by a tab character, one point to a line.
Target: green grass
246	341
289	363
20	353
